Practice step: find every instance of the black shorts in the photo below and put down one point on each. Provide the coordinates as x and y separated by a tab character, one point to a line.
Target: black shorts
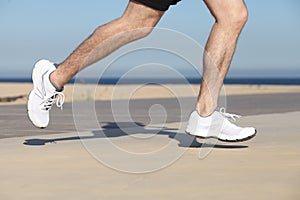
161	5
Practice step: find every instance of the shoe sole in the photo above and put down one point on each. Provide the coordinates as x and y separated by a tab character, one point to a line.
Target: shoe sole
31	116
231	141
35	72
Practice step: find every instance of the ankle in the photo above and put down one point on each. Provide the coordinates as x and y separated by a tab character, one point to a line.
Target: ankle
54	81
204	111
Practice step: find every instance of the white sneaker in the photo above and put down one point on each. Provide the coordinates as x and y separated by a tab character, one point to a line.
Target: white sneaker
43	95
218	126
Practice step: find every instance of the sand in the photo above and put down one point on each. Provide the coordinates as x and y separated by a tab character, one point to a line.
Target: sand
55	163
60	167
16	93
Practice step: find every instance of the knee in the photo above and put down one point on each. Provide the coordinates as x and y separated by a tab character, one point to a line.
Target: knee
240	18
235	18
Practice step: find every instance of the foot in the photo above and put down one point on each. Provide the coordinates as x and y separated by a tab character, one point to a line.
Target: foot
44	95
218	126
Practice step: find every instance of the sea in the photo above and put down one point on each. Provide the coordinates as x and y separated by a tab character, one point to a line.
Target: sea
114	81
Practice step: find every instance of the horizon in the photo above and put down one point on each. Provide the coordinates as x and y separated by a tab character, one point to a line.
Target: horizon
161	80
233	73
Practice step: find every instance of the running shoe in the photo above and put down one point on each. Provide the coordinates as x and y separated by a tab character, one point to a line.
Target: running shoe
44	95
219	126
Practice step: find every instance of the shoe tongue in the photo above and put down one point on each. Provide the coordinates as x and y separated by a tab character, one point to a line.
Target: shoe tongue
218	118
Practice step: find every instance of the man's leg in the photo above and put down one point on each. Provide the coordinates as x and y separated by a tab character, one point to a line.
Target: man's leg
137	21
230	16
205	122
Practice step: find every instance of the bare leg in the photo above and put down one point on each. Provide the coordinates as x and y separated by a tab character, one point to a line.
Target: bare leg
231	16
107	38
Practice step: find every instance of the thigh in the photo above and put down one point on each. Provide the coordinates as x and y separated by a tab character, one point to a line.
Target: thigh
136	11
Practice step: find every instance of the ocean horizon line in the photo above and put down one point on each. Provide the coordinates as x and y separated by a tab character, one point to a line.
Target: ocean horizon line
115	80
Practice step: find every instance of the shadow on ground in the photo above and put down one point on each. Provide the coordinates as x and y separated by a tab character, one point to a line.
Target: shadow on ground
113	129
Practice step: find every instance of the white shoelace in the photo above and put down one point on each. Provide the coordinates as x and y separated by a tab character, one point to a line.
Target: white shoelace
231	117
58	98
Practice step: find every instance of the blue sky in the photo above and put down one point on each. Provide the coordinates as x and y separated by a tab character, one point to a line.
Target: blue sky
268	47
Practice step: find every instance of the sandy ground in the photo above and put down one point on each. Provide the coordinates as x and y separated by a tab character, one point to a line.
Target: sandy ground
58	166
16	93
62	163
